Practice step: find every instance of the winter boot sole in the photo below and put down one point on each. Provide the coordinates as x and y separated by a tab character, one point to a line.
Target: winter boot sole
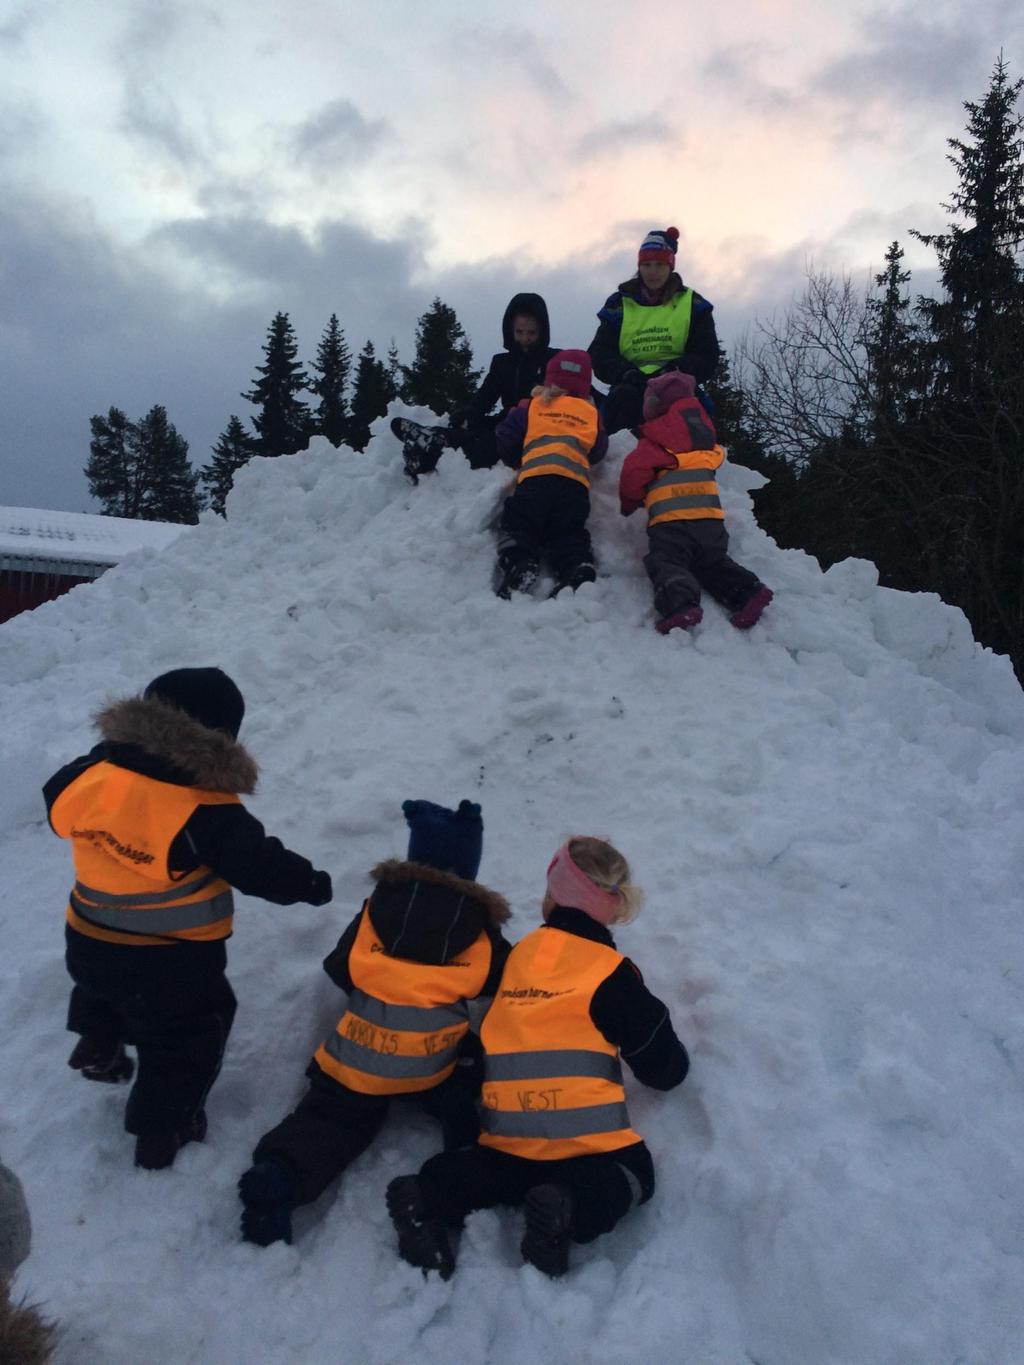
422	1237
545	1243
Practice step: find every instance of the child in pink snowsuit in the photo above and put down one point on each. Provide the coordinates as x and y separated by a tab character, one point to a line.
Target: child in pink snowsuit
672	473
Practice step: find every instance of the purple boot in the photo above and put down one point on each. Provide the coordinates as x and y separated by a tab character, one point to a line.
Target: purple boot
680	620
750	613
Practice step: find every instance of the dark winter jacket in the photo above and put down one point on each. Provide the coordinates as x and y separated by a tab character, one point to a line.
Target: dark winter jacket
514	373
163	743
627	1014
510	436
427	916
700	358
423	915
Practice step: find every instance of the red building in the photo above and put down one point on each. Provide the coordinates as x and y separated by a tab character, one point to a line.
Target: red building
43	553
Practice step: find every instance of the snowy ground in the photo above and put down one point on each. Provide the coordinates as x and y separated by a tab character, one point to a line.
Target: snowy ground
826	814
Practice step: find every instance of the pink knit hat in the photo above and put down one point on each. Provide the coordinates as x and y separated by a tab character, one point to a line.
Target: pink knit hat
571	371
570	886
664	390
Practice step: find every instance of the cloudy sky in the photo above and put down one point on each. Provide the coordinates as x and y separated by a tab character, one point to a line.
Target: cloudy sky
173	172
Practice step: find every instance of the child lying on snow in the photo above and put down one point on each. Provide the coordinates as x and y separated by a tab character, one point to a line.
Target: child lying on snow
426	942
553	439
557	1137
672	473
159	836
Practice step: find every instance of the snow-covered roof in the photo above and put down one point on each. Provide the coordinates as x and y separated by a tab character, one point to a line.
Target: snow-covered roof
34	538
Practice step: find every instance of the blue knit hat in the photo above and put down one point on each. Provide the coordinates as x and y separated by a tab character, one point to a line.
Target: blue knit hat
450	840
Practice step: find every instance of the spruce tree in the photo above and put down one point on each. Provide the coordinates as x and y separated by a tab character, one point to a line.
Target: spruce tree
112	469
170	482
284	423
894	348
371	396
441	376
394	372
234	448
332	365
979	256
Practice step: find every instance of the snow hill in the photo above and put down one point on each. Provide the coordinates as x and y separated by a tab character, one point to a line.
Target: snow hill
826	814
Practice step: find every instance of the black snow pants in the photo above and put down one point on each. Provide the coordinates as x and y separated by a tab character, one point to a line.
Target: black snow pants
685	556
546	518
173	1003
332	1125
604	1186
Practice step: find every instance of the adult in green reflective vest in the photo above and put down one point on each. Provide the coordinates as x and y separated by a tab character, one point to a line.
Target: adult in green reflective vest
652	324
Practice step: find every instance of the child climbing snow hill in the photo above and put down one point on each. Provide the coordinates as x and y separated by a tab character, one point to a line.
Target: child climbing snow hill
556	1137
552	439
426	942
672	473
159	836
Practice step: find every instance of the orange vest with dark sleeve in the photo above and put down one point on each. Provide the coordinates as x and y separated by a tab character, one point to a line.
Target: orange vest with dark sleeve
405	1020
689	492
560	434
552	1081
121	826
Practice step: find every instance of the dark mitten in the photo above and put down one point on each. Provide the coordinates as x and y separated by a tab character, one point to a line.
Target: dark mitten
322	891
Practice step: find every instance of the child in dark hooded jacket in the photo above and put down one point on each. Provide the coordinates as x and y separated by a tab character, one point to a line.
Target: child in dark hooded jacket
426	942
159	837
672	473
511	376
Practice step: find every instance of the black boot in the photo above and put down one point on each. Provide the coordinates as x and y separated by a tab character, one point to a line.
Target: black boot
545	1243
156	1151
575	578
266	1190
421	445
100	1059
519	576
422	1236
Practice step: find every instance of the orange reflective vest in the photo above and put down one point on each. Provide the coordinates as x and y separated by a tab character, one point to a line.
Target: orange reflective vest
121	826
552	1081
405	1019
689	492
560	434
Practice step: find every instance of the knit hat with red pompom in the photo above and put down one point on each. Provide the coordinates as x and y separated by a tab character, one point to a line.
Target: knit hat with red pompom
659	245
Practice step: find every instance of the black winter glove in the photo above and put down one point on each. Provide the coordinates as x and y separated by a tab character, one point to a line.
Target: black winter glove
321	890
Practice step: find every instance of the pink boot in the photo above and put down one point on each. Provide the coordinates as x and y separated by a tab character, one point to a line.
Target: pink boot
680	620
750	613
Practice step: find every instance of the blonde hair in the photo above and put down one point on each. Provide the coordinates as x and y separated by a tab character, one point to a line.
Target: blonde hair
607	868
547	393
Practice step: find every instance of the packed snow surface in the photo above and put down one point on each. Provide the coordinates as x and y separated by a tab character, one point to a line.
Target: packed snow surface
826	814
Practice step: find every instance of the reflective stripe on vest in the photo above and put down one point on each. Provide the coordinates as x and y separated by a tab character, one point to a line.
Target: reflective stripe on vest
652	336
560	434
135	917
689	492
121	825
409	1042
547	1103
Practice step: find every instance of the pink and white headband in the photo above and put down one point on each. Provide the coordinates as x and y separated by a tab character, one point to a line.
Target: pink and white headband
569	885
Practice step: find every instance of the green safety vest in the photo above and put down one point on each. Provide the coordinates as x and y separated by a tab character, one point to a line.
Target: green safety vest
651	337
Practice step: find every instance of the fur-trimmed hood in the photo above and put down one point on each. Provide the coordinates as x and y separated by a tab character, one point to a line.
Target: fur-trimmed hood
421	913
211	758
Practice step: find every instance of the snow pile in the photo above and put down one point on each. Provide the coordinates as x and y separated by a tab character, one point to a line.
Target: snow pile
826	815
